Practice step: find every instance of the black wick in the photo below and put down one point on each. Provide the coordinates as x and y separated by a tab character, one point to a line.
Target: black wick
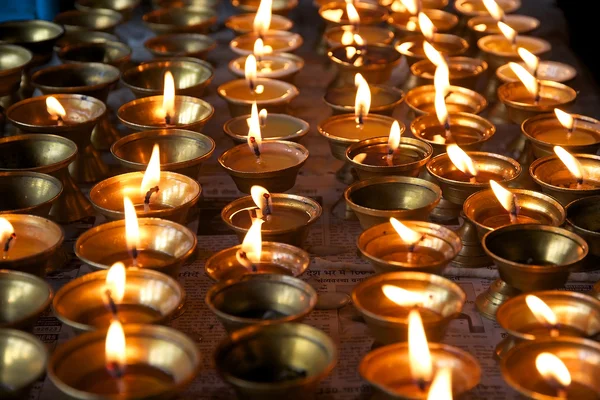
268	210
249	264
149	193
110	304
9	240
255	146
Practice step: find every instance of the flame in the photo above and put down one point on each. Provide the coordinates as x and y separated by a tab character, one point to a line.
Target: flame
461	160
509	33
353	16
412	6
261	197
505	197
418	349
442	85
115	281
406	234
132	229
564	118
260	49
439	139
254	133
252	244
262	20
347	38
358	39
540	310
402	297
54	107
250	71
394	138
362	103
426	26
531	84
333	15
553	369
262	117
441	387
6	230
152	174
169	94
572	164
530	59
494	9
114	346
432	54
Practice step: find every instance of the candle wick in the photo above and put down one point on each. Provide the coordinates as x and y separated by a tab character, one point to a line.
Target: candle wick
167	119
242	257
514	211
268	205
110	304
134	255
255	147
473	179
390	157
447	130
117	371
422	384
149	193
8	242
448	94
537	93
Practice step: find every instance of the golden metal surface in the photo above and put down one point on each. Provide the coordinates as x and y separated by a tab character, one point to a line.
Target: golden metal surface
277	180
545	263
577	315
99	247
445	298
547	70
24	359
284	41
489	48
181	151
294	65
448	45
295	357
147	79
124	7
580	356
30	116
456	191
541	123
374	73
190	113
243	23
76	303
240	106
472	73
116	54
341	100
28	192
180	20
158	4
288	257
103	20
583	218
375	200
378	241
177	194
545	171
370	14
49	237
24	298
150	347
295	128
239	303
181	45
523	24
511	95
387	366
294	236
442	20
471	8
78	37
333	36
421	100
37	36
412	168
13	61
280	7
48	154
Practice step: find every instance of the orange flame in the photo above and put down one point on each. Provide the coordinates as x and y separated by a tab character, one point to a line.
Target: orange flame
494	9
505	197
531	84
426	26
441	81
530	59
362	102
461	160
394	138
6	231
565	119
152	175
407	235
403	297
260	49
168	105
262	117
251	249
412	6
418	349
262	199
54	108
115	347
254	133
132	228
540	310
553	370
262	20
441	387
115	281
432	54
509	33
572	164
353	16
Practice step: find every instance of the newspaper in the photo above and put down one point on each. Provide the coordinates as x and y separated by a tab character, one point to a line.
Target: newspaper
335	266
